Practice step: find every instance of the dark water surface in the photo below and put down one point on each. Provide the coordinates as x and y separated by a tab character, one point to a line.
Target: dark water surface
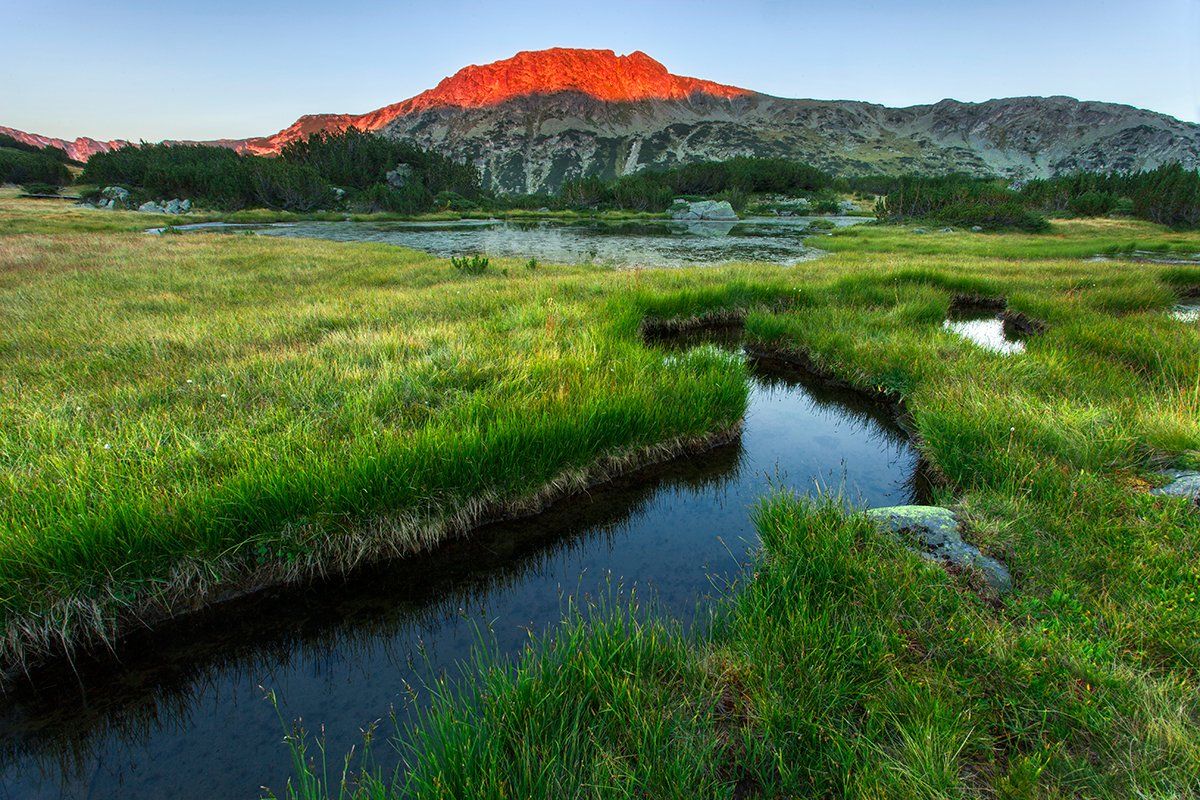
182	714
641	243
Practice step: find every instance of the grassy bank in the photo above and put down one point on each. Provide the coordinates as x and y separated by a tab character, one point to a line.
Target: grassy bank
187	415
847	666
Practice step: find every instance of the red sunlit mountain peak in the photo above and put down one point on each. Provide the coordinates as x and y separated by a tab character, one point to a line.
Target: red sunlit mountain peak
600	74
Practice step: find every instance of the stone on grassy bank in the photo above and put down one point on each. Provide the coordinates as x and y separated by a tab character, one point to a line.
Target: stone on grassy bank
1184	483
935	530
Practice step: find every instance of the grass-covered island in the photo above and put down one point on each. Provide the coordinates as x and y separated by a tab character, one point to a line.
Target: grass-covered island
186	418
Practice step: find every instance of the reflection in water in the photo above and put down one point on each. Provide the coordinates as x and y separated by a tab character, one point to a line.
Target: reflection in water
651	243
182	714
986	329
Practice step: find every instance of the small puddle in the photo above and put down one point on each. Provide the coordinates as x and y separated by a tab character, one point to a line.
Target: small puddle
182	715
986	328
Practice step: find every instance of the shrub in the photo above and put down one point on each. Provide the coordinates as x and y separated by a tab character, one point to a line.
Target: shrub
22	166
471	265
40	188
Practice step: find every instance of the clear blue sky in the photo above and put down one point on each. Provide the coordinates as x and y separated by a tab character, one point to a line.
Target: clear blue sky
166	69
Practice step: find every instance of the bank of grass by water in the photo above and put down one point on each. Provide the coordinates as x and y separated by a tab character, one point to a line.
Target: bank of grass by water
848	666
182	415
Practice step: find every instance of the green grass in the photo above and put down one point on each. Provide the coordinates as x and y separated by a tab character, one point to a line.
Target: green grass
340	395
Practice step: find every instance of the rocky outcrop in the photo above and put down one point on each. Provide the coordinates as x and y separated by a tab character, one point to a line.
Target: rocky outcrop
935	533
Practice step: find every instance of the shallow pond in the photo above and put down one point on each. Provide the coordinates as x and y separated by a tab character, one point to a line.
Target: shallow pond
986	329
644	243
183	716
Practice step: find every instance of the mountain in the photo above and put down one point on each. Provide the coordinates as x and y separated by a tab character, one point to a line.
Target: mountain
80	149
534	120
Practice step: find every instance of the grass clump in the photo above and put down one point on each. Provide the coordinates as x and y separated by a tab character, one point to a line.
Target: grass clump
474	264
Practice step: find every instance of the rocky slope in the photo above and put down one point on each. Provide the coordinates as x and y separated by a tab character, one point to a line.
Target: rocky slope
534	120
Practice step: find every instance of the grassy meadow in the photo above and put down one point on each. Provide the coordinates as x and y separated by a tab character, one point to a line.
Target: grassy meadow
186	415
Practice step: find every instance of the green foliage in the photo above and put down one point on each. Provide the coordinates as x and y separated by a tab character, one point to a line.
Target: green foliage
40	188
213	176
732	180
475	264
961	200
300	179
355	160
23	166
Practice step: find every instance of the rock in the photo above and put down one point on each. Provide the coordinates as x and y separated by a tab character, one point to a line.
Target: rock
976	229
703	209
847	205
339	194
186	205
151	207
935	530
400	176
115	193
946	230
174	206
1184	483
919	230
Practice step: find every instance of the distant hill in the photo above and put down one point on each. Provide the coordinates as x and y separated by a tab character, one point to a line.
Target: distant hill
534	120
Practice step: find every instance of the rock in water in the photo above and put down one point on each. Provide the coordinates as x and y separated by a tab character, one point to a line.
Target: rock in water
936	531
703	209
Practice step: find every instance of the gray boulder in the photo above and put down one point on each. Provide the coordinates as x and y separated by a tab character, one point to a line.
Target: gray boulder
976	229
703	209
1184	483
115	193
847	205
174	206
151	207
400	176
935	531
919	230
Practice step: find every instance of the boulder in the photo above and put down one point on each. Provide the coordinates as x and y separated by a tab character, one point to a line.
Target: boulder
174	206
115	193
339	194
976	229
703	209
934	530
151	207
919	230
846	206
1183	483
399	177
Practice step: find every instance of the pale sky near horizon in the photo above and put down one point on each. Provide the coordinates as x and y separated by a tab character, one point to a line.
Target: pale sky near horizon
224	69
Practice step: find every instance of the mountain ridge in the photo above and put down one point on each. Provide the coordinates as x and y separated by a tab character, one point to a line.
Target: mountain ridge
531	121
